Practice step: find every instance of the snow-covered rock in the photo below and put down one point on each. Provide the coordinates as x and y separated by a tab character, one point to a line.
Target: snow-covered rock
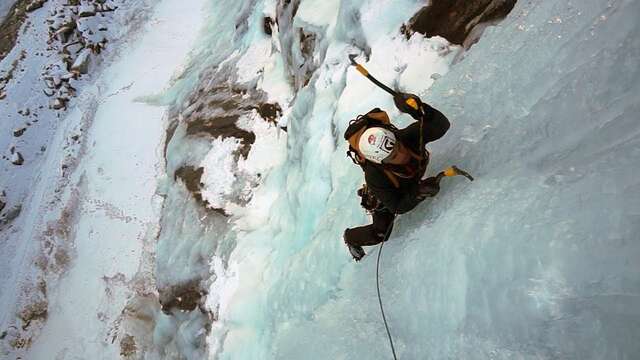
16	158
81	64
35	5
19	131
3	200
86	10
58	103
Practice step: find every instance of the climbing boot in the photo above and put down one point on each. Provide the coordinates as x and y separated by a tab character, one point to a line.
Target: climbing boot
356	251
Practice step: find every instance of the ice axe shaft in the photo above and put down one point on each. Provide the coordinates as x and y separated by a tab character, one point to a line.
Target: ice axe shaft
364	72
352	58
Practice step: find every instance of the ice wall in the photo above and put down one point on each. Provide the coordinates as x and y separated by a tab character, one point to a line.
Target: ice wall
538	258
547	240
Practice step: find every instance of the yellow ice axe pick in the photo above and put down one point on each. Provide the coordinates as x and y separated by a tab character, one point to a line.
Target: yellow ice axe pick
454	171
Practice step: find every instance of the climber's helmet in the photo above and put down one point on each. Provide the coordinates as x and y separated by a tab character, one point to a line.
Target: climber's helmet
376	144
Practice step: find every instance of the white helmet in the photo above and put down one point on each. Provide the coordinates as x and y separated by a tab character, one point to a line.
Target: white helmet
376	144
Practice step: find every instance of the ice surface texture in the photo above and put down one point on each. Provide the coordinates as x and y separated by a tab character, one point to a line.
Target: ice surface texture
536	259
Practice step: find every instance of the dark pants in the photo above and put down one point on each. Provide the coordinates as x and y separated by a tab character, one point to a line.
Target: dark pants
374	233
371	234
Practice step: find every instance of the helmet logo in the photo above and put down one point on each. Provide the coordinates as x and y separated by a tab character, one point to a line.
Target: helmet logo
387	144
372	139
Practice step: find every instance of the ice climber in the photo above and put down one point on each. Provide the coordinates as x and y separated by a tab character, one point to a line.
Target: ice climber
394	161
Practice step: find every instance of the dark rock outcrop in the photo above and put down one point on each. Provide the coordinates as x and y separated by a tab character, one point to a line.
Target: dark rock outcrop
19	132
35	5
268	25
191	177
16	157
223	125
269	112
183	297
3	200
455	19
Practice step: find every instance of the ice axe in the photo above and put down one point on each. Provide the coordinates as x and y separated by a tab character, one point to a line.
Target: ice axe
410	100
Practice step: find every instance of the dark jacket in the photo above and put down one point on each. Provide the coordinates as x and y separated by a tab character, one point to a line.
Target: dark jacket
405	197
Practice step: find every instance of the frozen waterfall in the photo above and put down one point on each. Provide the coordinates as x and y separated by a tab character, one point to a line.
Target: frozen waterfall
538	258
213	189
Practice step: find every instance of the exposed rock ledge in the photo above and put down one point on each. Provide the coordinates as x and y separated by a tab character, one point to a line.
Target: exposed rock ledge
455	20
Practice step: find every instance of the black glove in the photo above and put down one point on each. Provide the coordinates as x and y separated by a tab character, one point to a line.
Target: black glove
368	201
429	187
404	103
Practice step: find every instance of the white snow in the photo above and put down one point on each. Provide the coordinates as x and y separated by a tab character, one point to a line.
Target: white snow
269	149
219	175
318	13
116	182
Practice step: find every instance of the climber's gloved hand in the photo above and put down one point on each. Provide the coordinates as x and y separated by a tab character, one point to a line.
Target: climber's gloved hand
368	201
429	187
409	104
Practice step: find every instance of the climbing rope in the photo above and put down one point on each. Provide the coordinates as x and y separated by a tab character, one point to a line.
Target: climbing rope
384	318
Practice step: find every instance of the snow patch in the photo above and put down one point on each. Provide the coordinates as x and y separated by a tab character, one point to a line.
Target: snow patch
219	171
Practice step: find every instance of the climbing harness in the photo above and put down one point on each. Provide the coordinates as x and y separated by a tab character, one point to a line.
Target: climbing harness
384	318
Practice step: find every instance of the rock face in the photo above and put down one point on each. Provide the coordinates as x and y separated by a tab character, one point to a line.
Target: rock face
81	64
3	200
35	5
455	19
17	159
19	132
268	25
86	10
185	297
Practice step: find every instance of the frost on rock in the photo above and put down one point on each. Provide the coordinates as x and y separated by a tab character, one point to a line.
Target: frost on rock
16	158
81	63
